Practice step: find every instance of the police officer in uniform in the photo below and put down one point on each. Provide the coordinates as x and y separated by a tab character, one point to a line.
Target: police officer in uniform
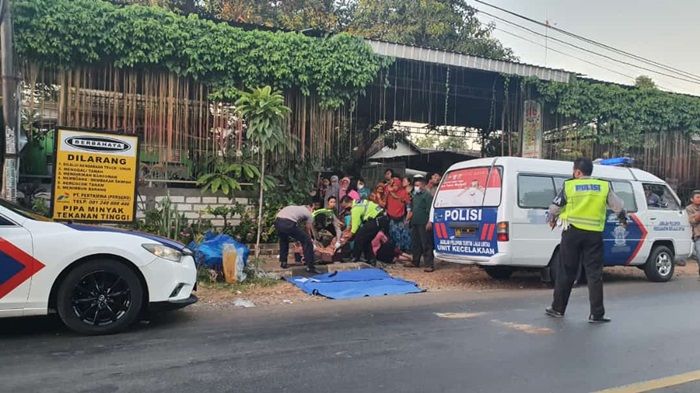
365	222
582	208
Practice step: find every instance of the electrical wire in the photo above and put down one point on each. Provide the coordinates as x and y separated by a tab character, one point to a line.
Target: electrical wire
596	43
574	57
695	80
564	53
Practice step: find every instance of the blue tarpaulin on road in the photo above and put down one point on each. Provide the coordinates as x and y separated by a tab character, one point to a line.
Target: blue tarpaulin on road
354	283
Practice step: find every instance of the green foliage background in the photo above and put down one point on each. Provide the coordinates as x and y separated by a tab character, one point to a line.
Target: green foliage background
621	114
95	32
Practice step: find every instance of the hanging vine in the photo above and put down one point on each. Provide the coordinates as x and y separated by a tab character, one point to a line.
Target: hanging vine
95	32
620	115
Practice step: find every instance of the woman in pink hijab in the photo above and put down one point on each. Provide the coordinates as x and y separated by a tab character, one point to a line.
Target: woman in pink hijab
354	195
344	188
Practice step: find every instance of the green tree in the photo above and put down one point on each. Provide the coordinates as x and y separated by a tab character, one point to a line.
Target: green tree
183	6
265	113
644	82
288	14
453	143
445	24
427	141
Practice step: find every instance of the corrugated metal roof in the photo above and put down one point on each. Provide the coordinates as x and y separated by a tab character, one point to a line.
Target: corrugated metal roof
467	61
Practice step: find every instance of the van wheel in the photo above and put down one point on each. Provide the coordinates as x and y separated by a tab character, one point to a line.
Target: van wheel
100	297
660	266
499	272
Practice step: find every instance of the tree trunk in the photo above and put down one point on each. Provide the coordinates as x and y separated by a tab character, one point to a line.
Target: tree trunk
260	204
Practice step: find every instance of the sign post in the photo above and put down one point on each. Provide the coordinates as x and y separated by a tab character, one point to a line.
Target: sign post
94	177
532	129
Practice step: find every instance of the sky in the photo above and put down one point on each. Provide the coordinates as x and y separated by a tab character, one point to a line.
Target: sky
664	31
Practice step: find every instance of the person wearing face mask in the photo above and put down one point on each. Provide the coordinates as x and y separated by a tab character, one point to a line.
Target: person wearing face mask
421	227
362	189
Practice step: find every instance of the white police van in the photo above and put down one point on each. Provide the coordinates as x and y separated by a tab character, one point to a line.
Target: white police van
98	280
493	212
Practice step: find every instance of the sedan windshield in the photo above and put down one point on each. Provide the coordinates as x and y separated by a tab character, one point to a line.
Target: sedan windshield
26	213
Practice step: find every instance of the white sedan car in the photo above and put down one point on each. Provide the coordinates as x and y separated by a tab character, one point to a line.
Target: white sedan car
99	280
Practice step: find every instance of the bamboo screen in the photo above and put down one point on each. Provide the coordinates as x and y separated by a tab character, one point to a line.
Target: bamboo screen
179	126
671	156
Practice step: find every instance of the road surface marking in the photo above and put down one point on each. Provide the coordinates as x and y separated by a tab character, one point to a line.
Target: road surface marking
654	384
458	315
523	327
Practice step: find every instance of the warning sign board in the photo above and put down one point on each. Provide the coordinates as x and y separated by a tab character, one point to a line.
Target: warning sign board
94	176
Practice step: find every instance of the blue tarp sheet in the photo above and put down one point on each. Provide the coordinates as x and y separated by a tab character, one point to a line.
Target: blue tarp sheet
209	252
354	283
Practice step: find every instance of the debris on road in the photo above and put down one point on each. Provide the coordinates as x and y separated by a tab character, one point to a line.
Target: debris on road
458	315
243	303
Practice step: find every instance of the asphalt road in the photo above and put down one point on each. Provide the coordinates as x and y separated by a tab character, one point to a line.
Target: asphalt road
496	341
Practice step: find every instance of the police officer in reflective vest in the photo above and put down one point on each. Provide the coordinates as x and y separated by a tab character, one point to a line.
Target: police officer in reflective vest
582	208
365	219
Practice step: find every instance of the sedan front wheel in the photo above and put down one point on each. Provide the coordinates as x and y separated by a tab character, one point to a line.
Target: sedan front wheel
100	297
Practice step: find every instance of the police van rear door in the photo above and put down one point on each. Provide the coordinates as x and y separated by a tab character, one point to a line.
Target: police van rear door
465	212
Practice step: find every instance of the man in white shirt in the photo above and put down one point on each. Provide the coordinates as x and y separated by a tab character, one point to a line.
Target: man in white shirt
287	226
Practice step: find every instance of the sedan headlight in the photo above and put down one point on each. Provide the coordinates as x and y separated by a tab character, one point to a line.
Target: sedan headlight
164	252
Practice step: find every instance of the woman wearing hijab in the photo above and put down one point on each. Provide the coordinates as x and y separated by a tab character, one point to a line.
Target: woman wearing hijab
333	189
398	203
344	188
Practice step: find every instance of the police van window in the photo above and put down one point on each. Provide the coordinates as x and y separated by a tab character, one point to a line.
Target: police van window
535	192
470	187
625	191
660	197
559	183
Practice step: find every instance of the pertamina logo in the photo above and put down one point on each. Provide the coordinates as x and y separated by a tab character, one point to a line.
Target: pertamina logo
98	144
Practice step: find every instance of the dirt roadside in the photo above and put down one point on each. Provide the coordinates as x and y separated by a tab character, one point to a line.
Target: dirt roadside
447	277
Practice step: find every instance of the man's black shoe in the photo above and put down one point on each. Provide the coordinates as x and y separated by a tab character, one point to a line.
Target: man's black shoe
372	262
284	265
553	313
312	270
592	319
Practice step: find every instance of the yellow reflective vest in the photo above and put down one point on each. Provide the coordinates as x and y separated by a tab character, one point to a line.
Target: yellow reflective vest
586	204
361	212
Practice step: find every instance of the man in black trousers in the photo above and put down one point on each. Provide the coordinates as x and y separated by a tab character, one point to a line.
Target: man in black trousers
582	207
287	225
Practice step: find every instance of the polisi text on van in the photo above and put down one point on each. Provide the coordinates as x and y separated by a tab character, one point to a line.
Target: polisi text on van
463	214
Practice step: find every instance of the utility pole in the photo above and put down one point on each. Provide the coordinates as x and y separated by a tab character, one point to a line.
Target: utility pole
9	147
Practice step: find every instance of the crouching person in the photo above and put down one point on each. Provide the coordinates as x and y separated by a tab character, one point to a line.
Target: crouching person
287	226
364	225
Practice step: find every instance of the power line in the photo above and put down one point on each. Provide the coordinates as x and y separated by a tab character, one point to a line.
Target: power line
501	29
564	53
573	56
696	80
596	43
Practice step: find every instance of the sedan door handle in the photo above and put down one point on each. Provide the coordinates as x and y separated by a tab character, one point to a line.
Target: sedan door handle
652	218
